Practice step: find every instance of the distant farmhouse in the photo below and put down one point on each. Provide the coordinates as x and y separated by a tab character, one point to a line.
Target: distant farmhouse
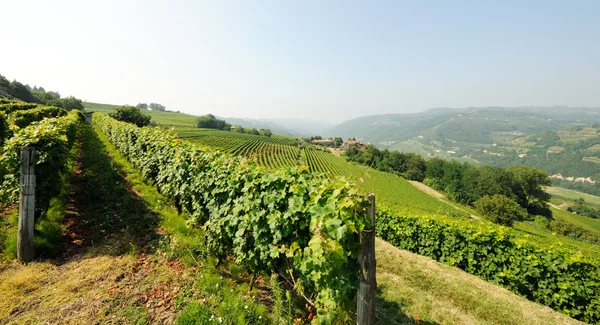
353	143
326	142
346	144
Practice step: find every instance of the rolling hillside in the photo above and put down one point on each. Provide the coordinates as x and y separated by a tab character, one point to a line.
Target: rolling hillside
475	125
280	151
562	141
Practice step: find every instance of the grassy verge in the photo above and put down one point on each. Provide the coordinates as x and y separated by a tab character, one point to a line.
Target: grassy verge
417	290
571	194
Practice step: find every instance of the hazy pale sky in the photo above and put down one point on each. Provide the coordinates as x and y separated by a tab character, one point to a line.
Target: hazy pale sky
327	60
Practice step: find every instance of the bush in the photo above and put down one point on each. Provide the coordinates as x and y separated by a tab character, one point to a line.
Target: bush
52	139
131	114
4	131
575	232
211	122
542	221
500	209
23	118
11	106
560	279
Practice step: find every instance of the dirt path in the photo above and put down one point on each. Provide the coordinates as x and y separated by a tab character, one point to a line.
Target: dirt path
108	270
440	197
427	189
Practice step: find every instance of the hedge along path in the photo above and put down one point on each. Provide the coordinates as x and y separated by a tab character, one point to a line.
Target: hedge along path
304	226
562	280
52	138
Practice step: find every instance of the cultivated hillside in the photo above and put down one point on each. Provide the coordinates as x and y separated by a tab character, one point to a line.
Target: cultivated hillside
478	125
558	140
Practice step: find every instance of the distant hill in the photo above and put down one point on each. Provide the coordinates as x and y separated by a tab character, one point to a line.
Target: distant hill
261	124
303	127
558	140
477	124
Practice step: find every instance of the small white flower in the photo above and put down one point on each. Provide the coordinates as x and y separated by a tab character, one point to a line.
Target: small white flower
220	320
217	285
259	317
246	307
231	290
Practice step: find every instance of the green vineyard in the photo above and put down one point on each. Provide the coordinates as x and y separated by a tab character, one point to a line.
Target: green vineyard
278	151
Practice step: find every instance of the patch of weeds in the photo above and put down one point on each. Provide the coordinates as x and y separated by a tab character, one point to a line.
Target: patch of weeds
195	313
8	234
129	313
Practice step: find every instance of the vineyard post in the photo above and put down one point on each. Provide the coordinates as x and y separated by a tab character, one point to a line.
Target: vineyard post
25	248
367	291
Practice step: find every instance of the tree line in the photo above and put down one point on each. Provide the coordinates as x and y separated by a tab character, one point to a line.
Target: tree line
152	106
209	121
503	195
38	95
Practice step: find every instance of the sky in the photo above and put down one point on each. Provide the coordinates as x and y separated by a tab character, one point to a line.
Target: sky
320	60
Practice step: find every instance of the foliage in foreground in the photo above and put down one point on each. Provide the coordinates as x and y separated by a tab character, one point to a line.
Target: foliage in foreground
52	139
304	226
559	279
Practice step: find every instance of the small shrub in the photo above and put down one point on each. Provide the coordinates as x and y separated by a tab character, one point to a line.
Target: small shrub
500	209
542	221
131	114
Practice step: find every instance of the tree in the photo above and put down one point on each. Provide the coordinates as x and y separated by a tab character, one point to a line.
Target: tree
142	106
19	91
157	107
131	114
500	209
254	131
238	129
528	188
211	122
267	133
47	98
71	103
338	141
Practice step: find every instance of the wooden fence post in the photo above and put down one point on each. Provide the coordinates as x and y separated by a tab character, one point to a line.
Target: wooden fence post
25	248
367	293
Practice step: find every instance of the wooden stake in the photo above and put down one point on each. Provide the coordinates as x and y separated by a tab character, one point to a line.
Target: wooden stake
367	293
25	248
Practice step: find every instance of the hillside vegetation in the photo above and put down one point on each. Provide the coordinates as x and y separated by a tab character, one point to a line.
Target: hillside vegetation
115	278
558	140
281	151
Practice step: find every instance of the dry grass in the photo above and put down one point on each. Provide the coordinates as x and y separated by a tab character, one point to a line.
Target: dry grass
439	293
72	293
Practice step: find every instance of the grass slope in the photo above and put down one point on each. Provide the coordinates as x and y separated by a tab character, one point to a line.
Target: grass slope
571	194
441	294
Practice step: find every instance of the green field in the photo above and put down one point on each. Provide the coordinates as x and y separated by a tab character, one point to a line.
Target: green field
411	146
592	159
570	194
574	136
